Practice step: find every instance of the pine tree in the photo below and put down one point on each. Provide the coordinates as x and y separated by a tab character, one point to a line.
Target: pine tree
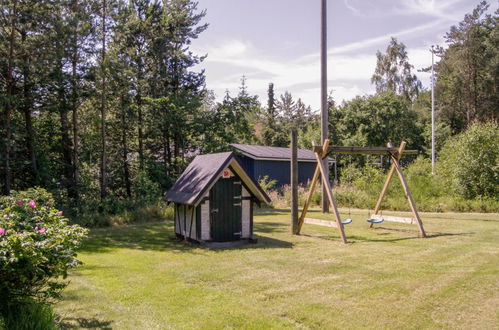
467	72
269	122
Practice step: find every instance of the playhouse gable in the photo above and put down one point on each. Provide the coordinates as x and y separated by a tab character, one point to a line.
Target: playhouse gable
203	172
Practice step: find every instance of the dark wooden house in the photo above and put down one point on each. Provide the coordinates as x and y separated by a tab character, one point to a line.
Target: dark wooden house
213	200
274	162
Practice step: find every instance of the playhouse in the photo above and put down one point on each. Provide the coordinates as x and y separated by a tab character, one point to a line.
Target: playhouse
213	200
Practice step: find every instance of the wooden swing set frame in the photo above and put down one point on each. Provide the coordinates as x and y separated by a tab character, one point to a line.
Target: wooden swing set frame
321	152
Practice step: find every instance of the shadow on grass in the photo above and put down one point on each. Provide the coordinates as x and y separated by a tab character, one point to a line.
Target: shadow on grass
271	227
145	236
84	323
269	211
382	236
159	237
397	239
413	230
263	243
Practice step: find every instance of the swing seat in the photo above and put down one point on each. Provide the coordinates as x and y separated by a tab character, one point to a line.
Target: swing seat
377	220
347	221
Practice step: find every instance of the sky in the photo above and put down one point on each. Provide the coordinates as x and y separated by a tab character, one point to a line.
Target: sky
278	41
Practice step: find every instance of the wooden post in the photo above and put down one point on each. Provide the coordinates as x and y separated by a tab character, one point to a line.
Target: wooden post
294	183
409	197
313	183
389	178
332	200
324	108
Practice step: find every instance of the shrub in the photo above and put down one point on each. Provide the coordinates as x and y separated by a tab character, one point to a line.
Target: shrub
468	163
367	178
37	247
145	189
267	184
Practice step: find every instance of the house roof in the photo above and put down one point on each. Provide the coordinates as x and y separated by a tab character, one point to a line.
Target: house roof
203	172
272	153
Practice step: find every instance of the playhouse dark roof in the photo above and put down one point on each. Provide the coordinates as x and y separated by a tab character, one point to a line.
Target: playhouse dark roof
272	153
203	172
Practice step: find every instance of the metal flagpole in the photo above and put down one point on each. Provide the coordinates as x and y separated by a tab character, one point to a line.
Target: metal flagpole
432	113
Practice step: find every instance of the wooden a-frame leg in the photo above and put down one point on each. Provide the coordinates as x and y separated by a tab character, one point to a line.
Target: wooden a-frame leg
412	204
388	179
309	199
332	200
315	178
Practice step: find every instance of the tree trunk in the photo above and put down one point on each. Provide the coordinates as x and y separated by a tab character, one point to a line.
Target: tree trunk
140	119
66	146
65	137
141	133
27	111
103	164
8	104
176	152
167	145
168	149
126	168
74	105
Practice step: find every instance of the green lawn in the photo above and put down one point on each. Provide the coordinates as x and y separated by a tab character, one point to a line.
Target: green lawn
136	277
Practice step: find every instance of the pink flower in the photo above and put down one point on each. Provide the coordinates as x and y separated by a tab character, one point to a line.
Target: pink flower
41	230
19	203
2	231
59	213
32	204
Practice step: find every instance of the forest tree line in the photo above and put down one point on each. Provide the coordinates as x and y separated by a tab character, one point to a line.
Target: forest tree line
100	99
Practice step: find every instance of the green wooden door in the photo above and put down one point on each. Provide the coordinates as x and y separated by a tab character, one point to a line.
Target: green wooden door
225	207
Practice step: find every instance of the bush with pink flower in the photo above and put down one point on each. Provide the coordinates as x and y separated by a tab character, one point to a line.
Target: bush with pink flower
37	248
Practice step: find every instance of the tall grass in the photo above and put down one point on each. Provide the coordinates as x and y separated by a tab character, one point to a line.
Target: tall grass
29	316
360	188
127	213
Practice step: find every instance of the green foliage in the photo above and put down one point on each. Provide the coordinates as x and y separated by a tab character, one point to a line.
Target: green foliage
311	133
37	246
143	82
422	107
124	211
266	184
29	315
360	187
368	178
145	189
469	162
159	113
376	120
393	72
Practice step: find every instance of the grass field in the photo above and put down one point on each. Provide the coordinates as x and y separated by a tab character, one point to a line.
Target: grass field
137	277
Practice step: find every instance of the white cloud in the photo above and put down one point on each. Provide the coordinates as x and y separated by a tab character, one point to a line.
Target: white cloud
230	49
351	7
346	73
385	38
443	8
349	75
